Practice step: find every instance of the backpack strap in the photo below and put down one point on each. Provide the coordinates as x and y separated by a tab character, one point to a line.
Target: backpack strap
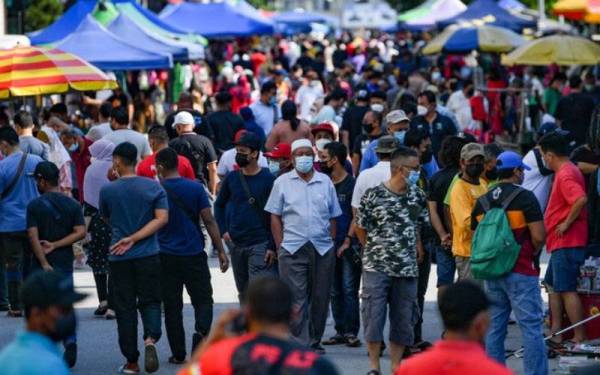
485	203
13	183
511	197
183	207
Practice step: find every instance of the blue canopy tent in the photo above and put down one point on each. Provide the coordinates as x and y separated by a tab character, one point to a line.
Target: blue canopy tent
94	43
294	22
149	15
215	20
129	32
488	12
65	25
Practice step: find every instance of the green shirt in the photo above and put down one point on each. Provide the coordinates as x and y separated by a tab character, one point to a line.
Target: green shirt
550	99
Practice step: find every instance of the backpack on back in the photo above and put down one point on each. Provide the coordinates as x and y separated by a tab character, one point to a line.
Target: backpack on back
494	250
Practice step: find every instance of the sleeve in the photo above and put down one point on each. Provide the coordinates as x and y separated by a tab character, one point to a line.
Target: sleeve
202	200
363	213
449	191
275	202
161	202
146	149
433	194
424	214
188	171
571	190
221	165
142	169
77	214
45	151
221	203
357	193
459	207
211	154
531	207
334	205
31	215
346	120
368	160
477	211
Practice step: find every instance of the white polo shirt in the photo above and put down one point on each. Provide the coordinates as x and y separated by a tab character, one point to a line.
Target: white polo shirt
370	178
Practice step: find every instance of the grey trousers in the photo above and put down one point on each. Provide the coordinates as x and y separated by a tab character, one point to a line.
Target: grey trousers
310	276
248	262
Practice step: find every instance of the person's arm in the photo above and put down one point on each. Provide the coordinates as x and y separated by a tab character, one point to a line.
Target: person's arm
346	138
215	237
219	208
436	222
538	235
161	217
34	240
448	219
77	234
212	177
355	164
361	234
332	228
277	230
576	208
272	139
420	249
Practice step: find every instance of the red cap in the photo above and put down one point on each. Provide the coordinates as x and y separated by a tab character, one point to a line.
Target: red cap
323	127
281	151
238	135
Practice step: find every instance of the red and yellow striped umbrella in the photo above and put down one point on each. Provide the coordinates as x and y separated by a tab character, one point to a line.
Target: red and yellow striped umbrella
28	71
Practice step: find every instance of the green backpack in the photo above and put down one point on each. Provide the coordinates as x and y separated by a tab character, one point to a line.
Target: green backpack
494	250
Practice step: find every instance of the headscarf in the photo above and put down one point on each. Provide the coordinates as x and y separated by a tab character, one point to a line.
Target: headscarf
96	174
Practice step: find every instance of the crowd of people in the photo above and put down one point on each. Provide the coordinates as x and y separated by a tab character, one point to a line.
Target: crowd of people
344	168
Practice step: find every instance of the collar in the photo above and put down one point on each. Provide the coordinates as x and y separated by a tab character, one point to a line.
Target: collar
317	176
29	337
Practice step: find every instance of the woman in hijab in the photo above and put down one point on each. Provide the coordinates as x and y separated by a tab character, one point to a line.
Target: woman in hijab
95	178
289	128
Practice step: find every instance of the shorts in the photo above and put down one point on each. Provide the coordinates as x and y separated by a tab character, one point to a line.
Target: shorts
463	266
563	269
380	289
446	267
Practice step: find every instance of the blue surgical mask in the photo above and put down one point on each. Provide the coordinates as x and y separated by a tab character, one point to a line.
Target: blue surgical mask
413	177
400	136
273	101
74	147
304	163
274	167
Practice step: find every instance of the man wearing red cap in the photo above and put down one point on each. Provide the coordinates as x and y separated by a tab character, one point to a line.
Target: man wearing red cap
280	159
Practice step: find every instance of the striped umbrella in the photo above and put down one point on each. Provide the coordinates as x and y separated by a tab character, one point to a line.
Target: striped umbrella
28	71
464	39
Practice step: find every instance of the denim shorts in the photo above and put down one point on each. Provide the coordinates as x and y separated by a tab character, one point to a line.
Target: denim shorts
400	293
446	266
563	269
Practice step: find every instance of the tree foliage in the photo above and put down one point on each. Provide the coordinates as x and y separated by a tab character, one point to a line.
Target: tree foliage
41	13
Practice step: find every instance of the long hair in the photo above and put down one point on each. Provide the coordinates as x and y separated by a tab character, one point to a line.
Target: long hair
289	112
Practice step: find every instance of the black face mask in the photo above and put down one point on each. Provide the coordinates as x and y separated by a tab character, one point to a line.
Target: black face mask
368	128
474	170
426	156
242	160
64	327
491	175
325	168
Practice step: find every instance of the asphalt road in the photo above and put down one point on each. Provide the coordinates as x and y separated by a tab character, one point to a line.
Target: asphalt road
99	352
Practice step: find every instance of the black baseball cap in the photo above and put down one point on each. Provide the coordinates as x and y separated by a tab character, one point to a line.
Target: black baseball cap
250	140
44	289
46	170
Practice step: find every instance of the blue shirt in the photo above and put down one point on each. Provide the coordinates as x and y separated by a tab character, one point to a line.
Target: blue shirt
305	209
370	159
32	354
235	215
129	204
13	208
180	236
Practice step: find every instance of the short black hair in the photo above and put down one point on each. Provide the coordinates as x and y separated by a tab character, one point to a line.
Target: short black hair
460	303
409	108
23	120
575	81
449	154
106	109
158	133
120	115
379	94
338	94
9	135
60	108
414	137
267	86
168	159
400	154
127	152
337	150
223	97
429	95
560	76
269	300
492	151
555	143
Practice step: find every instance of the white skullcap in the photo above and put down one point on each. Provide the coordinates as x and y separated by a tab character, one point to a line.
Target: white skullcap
183	118
299	143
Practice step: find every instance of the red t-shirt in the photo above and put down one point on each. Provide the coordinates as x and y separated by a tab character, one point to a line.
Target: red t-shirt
452	358
147	167
568	187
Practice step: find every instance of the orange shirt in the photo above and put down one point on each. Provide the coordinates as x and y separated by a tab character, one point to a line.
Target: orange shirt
463	197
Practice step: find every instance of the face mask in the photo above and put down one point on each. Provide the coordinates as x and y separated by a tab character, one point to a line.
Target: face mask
436	76
273	101
413	178
325	168
421	110
74	147
242	160
368	128
474	170
274	167
304	163
321	143
400	136
64	327
491	175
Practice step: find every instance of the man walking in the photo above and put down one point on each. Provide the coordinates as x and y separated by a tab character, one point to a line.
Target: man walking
29	143
136	208
304	206
388	226
223	123
239	209
182	256
121	133
265	109
159	140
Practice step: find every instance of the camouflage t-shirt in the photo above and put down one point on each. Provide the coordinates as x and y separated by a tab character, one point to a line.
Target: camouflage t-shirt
392	222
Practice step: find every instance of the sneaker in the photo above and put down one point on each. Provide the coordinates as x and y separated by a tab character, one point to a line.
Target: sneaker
70	354
14	314
196	340
176	361
150	358
317	348
129	368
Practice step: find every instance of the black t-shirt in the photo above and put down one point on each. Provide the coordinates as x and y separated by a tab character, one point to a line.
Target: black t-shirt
224	125
438	187
441	127
352	121
344	190
361	142
201	126
198	150
55	215
575	113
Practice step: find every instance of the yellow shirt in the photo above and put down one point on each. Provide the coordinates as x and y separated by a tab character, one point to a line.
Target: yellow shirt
463	196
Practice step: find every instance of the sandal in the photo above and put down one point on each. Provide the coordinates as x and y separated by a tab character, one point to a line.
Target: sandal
374	372
337	339
352	341
14	314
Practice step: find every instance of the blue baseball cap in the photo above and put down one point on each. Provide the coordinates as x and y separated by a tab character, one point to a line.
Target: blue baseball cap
510	160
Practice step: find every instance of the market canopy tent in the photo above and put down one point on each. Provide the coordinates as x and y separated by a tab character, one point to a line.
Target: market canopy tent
570	9
96	44
488	12
429	13
485	38
65	25
294	22
556	49
214	20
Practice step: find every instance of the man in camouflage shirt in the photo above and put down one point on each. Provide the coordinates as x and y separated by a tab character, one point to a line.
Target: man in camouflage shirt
389	220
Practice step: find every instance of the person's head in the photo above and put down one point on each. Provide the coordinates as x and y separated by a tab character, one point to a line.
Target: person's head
119	118
167	162
371	122
322	134
419	141
398	124
405	166
302	155
471	160
492	151
158	138
60	110
449	154
223	100
247	150
468	88
247	114
464	310
23	122
575	82
511	168
268	93
186	101
386	146
280	158
48	299
46	176
289	112
428	101
9	140
183	122
554	150
70	139
378	97
105	111
558	80
124	158
333	157
362	97
268	302
337	98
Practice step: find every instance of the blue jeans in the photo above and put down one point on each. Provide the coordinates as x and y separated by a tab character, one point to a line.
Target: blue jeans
521	294
344	293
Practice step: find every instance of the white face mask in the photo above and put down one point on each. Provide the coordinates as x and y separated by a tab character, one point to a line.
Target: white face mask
321	143
421	110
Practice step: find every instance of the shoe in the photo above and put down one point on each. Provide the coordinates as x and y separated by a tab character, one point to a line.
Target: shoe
4	308
352	341
374	372
150	358
317	348
14	314
176	361
110	315
101	310
337	339
129	368
196	340
70	354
